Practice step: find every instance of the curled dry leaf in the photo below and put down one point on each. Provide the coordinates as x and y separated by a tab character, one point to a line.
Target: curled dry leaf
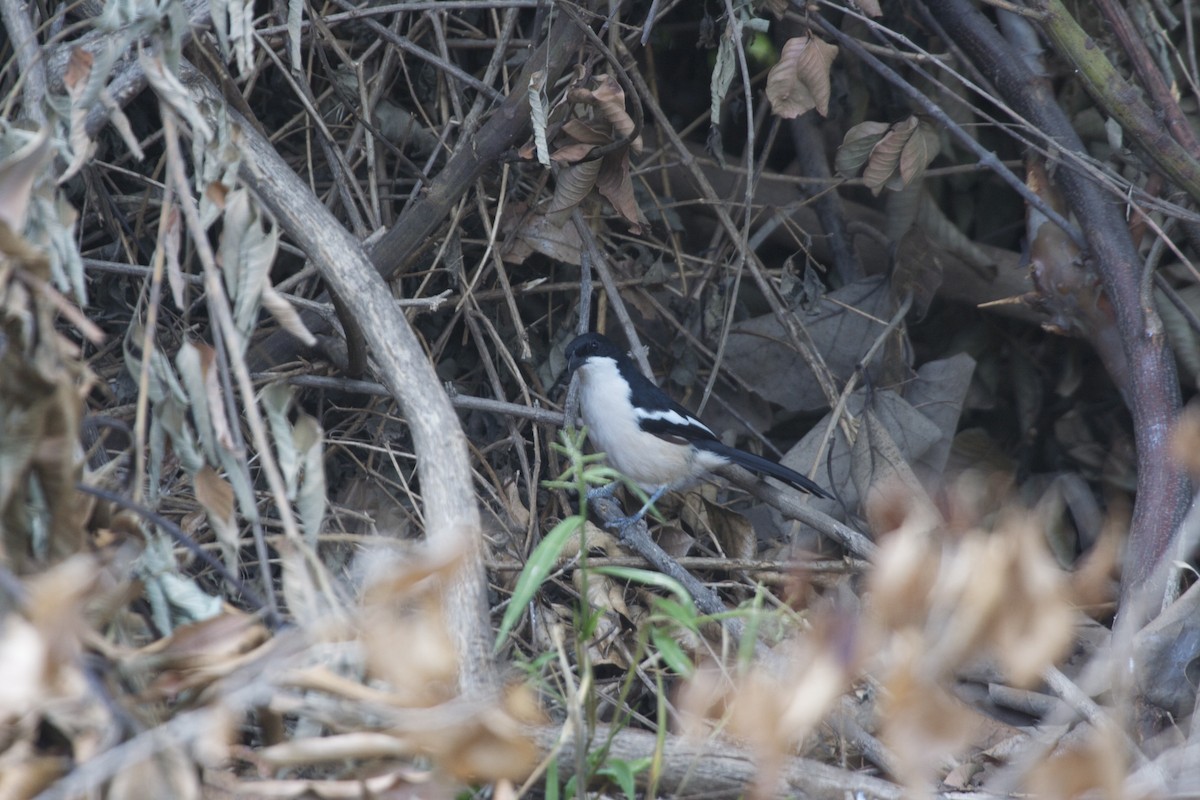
919	151
602	120
538	114
574	184
895	155
857	145
885	156
799	82
609	98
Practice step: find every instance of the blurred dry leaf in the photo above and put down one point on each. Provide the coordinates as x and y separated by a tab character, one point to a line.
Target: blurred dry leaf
995	595
497	747
923	725
1093	767
216	496
404	627
773	708
478	744
799	81
200	653
24	773
170	772
18	173
40	398
1185	439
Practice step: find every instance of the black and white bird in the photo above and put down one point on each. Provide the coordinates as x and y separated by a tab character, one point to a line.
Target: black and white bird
645	434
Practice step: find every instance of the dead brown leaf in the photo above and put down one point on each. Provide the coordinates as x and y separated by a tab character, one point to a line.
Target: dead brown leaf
799	81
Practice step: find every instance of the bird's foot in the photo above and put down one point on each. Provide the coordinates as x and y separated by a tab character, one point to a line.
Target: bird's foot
620	524
602	492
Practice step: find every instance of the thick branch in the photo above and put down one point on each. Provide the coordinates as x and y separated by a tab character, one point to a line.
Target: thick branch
714	769
451	515
1152	388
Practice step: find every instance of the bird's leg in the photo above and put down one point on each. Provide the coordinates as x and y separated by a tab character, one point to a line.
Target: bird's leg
625	522
602	492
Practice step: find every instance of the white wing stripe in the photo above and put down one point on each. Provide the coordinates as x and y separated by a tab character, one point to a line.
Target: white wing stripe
674	418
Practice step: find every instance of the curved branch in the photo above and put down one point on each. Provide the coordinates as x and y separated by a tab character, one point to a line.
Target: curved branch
1148	381
451	515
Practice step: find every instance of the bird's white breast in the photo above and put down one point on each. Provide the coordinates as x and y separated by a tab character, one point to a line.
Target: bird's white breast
613	428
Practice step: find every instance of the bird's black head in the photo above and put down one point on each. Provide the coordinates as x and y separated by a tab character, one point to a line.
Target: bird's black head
590	345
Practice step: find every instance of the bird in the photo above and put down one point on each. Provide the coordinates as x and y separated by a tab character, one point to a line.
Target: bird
647	436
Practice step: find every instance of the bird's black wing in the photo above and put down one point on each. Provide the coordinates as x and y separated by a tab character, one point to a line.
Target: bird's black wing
657	413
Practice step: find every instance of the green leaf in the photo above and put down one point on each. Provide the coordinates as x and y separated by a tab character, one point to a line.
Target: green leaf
541	562
624	773
671	652
551	785
650	578
683	614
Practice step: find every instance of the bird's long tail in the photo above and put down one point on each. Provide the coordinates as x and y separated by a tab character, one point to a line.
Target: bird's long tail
764	466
